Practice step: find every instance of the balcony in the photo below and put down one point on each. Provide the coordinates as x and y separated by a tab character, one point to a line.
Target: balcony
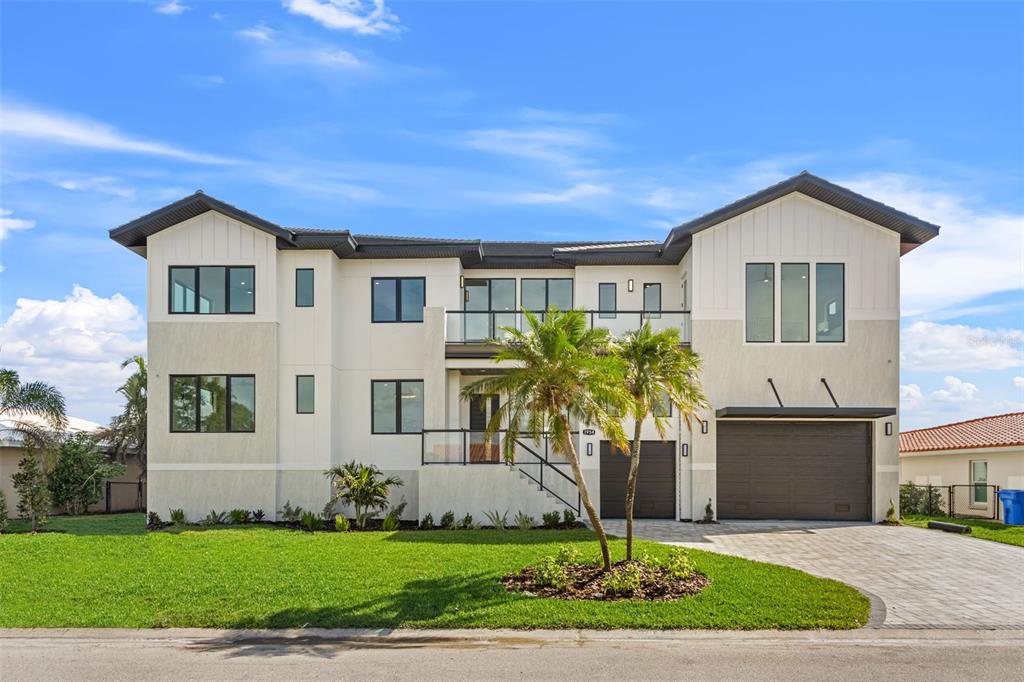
471	333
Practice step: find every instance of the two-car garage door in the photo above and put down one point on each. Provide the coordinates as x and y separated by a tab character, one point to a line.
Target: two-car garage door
794	470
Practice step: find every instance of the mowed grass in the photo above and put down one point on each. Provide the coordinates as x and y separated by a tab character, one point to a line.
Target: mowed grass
986	530
107	572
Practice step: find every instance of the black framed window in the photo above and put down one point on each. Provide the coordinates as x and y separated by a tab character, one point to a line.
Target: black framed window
760	301
606	300
830	302
305	394
794	306
211	289
213	403
398	299
663	406
540	294
652	300
397	406
304	287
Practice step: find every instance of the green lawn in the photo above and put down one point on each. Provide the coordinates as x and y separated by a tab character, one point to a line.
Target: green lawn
986	530
106	572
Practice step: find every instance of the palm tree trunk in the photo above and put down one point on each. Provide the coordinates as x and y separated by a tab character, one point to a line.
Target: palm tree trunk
595	520
634	469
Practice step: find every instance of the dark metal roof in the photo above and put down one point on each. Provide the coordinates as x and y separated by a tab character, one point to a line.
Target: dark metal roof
474	253
913	231
805	412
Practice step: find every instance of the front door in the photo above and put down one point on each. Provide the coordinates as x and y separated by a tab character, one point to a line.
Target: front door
481	409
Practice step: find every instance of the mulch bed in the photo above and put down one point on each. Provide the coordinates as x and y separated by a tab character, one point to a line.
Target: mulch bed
586	583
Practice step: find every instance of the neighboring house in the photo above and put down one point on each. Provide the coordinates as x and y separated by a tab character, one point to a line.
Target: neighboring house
979	452
275	353
124	492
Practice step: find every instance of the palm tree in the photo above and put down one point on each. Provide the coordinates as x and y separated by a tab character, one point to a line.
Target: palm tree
363	487
657	369
560	371
32	411
127	431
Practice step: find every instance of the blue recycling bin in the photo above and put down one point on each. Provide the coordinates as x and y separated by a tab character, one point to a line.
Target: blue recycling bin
1013	507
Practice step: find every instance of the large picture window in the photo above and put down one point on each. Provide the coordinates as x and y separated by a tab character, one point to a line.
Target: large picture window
760	296
540	294
830	303
398	299
397	406
213	403
212	289
794	307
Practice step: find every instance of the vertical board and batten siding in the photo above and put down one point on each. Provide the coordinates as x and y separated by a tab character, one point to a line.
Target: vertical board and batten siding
796	228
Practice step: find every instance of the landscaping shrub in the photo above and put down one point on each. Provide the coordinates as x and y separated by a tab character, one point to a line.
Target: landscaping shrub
341	523
679	565
498	519
551	519
567	554
524	521
153	520
214	518
911	499
258	516
3	512
622	580
311	522
290	514
932	505
891	517
363	486
467	522
33	495
427	523
80	474
709	512
549	572
177	516
239	516
389	524
448	520
569	517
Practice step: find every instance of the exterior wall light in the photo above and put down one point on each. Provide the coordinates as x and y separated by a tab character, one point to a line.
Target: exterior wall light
686	449
888	428
703	425
590	449
629	285
462	281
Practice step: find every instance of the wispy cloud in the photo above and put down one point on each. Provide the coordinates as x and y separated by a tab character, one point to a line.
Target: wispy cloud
561	145
59	128
570	195
172	8
290	51
102	184
261	33
348	15
9	224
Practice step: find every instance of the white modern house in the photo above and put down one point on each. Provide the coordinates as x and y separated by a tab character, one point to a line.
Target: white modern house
276	353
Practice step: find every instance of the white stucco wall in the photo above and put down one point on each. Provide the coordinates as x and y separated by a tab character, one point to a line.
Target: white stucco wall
1005	467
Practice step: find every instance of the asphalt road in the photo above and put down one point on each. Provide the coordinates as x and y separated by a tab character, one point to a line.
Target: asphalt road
930	655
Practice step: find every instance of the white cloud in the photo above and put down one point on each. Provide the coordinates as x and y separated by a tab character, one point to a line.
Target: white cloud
348	15
301	53
957	391
910	396
978	252
1018	382
261	33
102	184
173	8
9	224
574	193
58	128
559	145
77	344
932	347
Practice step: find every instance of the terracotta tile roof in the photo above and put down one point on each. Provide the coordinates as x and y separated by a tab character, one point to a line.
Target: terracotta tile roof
986	432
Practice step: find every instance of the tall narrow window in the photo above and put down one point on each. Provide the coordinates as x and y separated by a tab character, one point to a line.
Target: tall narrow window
183	290
397	406
305	394
398	299
213	292
212	289
760	285
652	300
795	303
830	303
979	483
606	300
304	287
213	403
241	290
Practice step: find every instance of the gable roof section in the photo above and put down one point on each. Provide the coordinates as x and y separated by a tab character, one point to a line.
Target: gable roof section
913	231
534	254
1004	430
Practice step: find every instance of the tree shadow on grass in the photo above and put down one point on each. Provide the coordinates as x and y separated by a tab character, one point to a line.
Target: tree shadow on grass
494	537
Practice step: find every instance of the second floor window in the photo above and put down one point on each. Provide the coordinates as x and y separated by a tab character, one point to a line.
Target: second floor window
652	300
305	394
830	300
398	299
606	300
760	297
397	406
212	289
540	294
304	288
793	308
213	403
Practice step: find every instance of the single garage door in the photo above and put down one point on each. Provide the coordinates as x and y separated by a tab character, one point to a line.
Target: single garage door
655	485
794	470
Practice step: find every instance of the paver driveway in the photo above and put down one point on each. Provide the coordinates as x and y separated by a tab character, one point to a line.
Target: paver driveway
925	578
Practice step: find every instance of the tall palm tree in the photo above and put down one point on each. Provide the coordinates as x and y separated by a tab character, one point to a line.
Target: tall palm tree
127	431
560	371
33	411
657	369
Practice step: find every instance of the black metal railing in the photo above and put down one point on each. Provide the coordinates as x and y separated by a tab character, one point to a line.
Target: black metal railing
482	326
125	496
532	458
959	501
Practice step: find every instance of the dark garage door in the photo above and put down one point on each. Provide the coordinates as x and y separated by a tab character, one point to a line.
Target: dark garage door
655	485
794	470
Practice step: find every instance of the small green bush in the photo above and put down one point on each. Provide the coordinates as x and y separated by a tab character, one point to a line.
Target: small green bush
448	520
548	572
498	519
239	516
427	523
341	523
622	580
933	503
291	514
215	518
153	519
891	517
80	473
567	555
3	512
177	516
569	518
310	522
551	519
679	564
258	516
524	521
389	524
709	512
911	498
29	482
467	522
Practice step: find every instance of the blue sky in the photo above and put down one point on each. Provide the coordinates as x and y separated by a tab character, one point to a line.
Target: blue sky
508	121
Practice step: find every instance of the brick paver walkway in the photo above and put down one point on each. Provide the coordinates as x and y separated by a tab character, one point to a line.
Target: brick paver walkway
926	578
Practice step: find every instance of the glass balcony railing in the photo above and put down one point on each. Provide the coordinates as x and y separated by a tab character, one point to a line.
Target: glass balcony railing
472	326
